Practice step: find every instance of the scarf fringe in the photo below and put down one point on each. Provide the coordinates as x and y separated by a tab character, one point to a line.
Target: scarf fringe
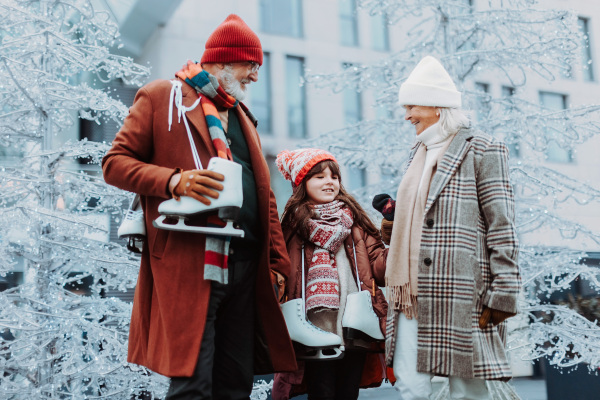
401	299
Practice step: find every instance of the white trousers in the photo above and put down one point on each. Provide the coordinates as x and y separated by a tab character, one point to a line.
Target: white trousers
413	385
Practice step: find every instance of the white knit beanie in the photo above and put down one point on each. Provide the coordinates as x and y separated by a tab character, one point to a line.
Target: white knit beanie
429	84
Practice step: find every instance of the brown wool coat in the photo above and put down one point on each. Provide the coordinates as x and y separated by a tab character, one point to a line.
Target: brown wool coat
371	256
171	297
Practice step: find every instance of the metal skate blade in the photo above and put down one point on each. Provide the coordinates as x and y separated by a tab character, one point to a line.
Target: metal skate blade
181	226
318	353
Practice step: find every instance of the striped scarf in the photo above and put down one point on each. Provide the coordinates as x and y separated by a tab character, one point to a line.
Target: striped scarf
327	230
217	247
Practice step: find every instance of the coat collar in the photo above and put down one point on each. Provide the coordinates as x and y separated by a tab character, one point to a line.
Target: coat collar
448	165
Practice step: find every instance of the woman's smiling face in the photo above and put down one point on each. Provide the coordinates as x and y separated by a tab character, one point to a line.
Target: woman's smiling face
422	117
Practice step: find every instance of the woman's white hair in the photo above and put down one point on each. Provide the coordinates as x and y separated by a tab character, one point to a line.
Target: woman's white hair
453	119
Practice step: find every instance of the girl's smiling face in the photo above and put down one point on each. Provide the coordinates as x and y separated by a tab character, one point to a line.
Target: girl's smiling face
323	187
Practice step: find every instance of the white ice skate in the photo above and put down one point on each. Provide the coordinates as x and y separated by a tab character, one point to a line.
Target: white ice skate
175	213
310	342
359	320
133	227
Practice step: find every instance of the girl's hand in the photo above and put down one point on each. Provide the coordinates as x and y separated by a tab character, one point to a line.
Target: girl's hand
386	230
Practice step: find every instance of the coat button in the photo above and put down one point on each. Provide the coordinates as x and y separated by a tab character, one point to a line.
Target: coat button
430	223
427	261
229	141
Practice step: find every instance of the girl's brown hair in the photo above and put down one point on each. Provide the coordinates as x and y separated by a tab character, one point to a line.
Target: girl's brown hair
298	208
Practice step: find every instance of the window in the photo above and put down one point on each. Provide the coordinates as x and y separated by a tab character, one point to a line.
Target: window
508	91
380	32
466	6
281	17
483	100
512	142
282	188
352	103
348	23
261	97
354	179
586	51
554	152
296	97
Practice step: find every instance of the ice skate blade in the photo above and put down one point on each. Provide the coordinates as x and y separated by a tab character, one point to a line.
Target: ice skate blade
181	226
318	353
189	207
135	243
353	334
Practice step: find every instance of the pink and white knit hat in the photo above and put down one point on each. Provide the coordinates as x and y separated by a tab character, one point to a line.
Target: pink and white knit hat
295	164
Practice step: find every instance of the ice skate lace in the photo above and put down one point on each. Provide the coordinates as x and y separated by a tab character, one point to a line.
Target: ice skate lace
133	215
176	98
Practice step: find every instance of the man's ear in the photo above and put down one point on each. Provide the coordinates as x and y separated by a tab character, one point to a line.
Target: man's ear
211	68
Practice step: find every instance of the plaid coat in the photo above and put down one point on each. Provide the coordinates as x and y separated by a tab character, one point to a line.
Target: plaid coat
468	259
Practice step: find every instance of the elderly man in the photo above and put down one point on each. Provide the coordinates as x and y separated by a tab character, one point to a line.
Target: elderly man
205	312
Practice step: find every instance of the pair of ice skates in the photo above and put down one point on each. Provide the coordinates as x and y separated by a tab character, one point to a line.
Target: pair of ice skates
175	215
312	343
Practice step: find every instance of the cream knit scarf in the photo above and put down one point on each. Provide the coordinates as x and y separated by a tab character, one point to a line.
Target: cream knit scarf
402	263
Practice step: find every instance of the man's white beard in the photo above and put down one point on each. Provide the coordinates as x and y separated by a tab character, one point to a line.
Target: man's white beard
231	85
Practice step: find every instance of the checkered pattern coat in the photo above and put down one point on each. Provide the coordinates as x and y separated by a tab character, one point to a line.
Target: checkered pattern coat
468	259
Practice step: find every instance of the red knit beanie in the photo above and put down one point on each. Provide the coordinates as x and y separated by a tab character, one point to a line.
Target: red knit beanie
232	41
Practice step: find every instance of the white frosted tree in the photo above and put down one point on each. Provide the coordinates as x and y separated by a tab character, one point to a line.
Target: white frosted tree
513	41
56	342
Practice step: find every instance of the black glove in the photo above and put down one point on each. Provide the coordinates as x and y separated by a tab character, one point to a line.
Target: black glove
385	205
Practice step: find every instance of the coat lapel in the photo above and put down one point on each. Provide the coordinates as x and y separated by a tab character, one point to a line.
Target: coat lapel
448	165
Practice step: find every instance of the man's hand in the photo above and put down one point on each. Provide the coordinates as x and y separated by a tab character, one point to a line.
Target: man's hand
198	184
386	230
278	282
495	316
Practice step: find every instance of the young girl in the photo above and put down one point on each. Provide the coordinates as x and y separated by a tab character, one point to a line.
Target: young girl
337	238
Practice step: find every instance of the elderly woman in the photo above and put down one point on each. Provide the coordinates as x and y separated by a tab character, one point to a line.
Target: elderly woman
452	276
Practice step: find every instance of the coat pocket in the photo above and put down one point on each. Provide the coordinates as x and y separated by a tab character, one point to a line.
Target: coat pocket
160	242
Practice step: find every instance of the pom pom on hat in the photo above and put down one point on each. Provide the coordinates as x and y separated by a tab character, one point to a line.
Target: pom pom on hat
429	84
232	41
295	164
